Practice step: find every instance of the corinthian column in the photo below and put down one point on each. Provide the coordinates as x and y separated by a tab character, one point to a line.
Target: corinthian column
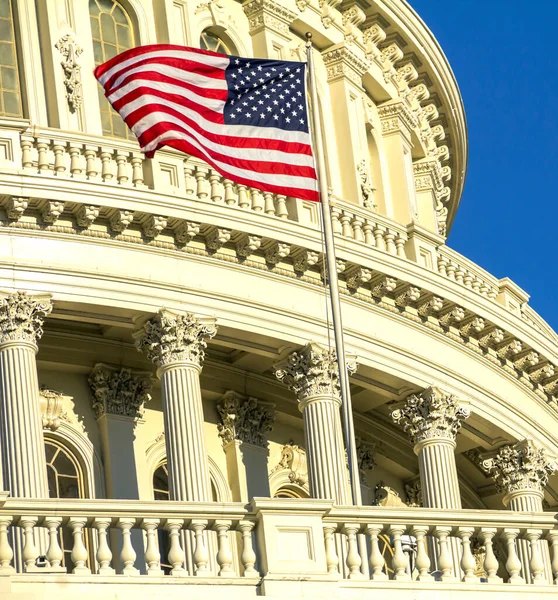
175	343
432	419
521	472
312	374
24	472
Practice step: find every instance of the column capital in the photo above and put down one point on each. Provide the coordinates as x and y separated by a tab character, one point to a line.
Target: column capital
396	117
171	337
341	61
268	14
119	391
244	419
431	415
22	316
521	467
312	371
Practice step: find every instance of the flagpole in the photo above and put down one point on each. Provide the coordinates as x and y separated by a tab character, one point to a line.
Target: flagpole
346	408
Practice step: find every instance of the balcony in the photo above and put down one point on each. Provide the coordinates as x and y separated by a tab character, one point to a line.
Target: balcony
286	547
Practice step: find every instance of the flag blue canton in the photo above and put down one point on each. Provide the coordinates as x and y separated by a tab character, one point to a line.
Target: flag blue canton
266	93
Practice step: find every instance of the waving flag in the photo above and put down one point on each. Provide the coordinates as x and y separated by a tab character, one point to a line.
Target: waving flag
247	118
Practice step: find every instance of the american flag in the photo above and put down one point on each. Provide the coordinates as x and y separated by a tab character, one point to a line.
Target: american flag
245	117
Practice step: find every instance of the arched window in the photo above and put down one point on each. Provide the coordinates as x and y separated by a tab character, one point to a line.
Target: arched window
209	40
10	95
291	491
65	480
113	33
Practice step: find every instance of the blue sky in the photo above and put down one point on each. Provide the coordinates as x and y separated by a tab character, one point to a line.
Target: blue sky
505	65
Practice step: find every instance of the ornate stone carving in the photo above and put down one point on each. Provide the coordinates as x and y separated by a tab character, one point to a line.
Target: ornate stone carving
395	117
121	220
304	259
384	495
172	337
22	316
154	225
453	316
366	187
277	252
358	277
72	71
216	238
270	15
366	457
186	232
341	62
510	349
52	210
52	408
352	18
430	307
119	391
293	459
521	466
86	215
247	245
329	12
312	371
383	286
244	419
430	414
413	490
407	296
16	207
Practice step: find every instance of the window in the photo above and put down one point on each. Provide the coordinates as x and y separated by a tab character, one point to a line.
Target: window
211	41
112	34
65	480
10	96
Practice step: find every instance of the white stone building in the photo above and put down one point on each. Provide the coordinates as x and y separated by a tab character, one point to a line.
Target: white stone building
210	463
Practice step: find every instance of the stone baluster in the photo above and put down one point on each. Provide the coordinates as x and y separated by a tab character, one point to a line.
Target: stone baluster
224	554
230	196
377	562
76	167
79	552
42	156
521	472
23	463
422	562
281	207
513	563
312	374
354	561
189	179
137	170
552	536
257	200
247	555
27	152
445	562
432	420
54	553
269	203
152	554
490	561
400	560
106	164
201	555
30	552
536	564
468	563
332	560
127	554
243	199
104	554
6	552
59	164
176	343
176	554
90	154
121	158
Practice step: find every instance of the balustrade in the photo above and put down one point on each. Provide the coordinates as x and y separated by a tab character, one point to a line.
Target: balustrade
457	268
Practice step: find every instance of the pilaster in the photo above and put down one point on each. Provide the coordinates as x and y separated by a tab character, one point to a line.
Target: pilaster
345	67
245	423
312	374
269	24
176	343
398	123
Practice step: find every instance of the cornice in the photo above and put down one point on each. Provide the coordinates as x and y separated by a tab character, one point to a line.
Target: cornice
268	14
341	61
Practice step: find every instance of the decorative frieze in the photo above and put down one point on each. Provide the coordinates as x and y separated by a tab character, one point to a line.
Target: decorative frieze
22	316
341	62
312	371
520	467
119	391
431	414
171	337
268	14
244	419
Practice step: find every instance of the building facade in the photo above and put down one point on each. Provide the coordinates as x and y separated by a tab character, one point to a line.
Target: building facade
169	404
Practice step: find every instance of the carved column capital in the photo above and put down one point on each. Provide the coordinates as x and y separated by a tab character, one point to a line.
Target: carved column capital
396	117
268	14
432	414
119	391
244	419
312	371
341	62
171	337
22	316
520	467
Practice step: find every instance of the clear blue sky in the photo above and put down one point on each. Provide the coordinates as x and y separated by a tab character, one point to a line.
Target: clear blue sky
504	60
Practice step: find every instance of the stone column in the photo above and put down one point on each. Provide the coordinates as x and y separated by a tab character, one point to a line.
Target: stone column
432	419
176	342
245	423
312	374
117	397
22	447
521	471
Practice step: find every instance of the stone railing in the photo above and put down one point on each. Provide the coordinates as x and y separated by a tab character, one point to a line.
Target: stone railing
293	538
456	267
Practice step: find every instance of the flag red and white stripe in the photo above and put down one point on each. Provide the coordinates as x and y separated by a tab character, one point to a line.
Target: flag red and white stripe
247	118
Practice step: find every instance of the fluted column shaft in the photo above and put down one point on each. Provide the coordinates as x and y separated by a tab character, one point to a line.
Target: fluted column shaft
438	473
325	453
21	436
184	437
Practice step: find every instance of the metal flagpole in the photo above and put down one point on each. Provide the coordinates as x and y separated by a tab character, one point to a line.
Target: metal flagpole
348	427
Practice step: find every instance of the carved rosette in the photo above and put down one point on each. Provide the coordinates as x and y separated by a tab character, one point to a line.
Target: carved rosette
120	392
312	371
520	467
432	414
244	419
172	337
22	317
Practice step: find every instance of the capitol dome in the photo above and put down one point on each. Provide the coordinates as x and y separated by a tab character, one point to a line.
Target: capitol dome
169	406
